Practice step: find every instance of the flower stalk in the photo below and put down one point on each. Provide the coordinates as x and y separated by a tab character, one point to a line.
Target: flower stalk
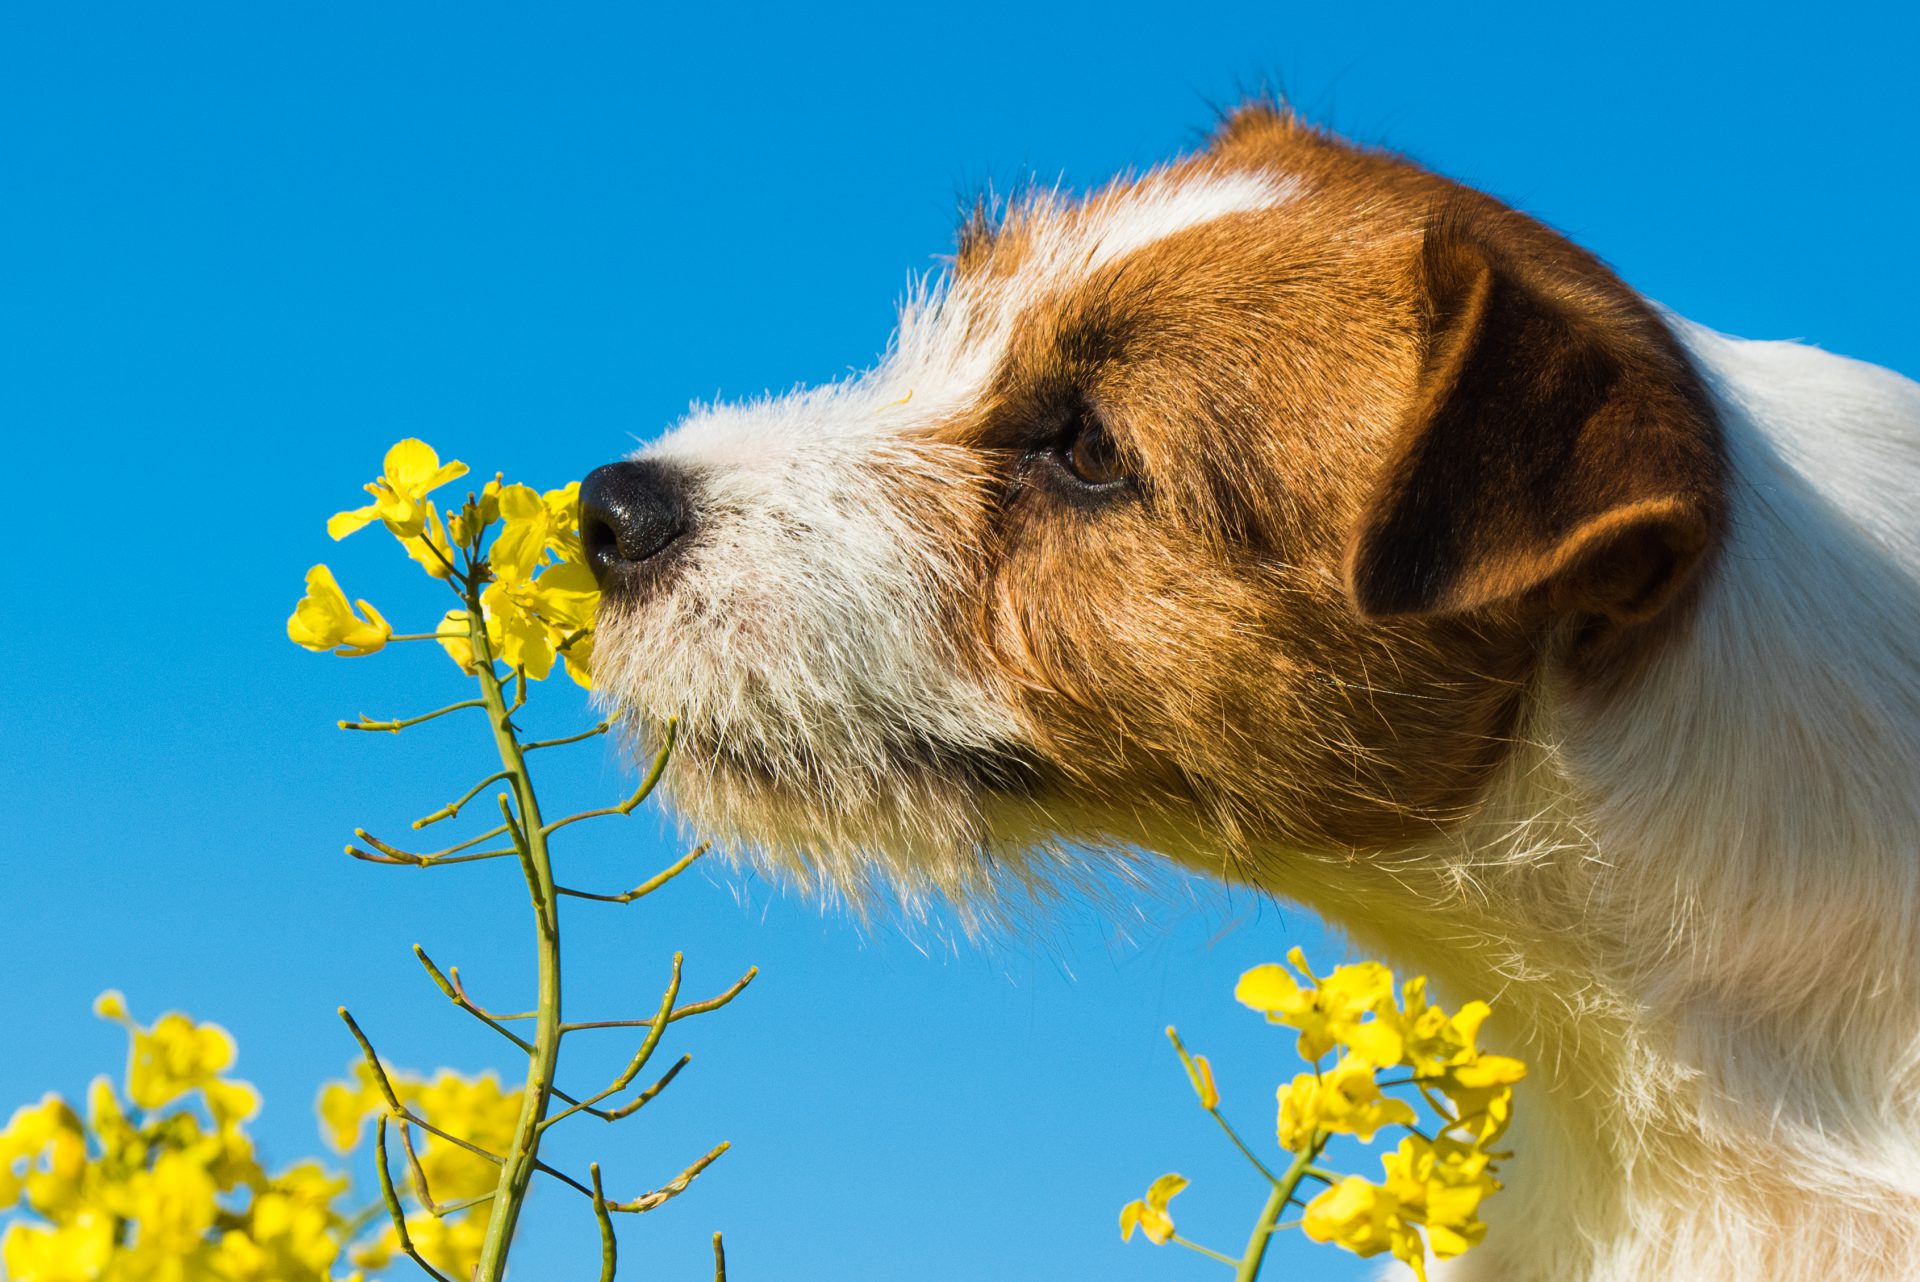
1428	1202
543	1061
527	604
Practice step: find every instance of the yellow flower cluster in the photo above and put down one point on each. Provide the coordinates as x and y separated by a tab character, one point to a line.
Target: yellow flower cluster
1354	1011
477	1109
162	1184
1429	1197
531	588
155	1189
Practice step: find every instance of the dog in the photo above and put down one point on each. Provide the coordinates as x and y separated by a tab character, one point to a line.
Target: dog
1312	521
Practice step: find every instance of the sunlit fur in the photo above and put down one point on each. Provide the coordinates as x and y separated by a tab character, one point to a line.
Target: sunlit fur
901	653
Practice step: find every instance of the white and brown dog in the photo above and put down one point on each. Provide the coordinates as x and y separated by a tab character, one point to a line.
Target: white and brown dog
1328	527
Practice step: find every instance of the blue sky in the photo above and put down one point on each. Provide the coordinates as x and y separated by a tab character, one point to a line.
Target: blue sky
244	247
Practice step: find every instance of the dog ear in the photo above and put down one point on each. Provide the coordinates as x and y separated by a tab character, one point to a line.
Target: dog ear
1559	447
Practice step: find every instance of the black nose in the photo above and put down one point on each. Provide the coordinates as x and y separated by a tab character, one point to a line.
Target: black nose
629	512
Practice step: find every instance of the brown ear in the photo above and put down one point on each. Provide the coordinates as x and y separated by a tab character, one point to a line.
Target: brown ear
1559	447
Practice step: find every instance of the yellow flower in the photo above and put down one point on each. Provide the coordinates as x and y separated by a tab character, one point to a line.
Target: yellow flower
323	620
1327	1012
78	1250
1345	1100
291	1232
579	656
456	638
430	547
529	620
476	515
1481	1092
173	1206
121	1144
1443	1052
1441	1186
174	1057
411	471
453	1243
533	524
1365	1219
47	1139
1151	1216
344	1108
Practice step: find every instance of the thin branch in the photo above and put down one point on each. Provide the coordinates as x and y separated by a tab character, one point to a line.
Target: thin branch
600	729
609	1249
719	1260
1207	1251
646	887
449	1137
640	1101
419	1176
395	727
373	1061
458	996
460	988
452	808
567	1180
449	983
367	856
640	1057
640	794
394	1209
451	855
672	1188
696	1008
512	825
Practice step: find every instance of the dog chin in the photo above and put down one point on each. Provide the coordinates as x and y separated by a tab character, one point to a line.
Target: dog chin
899	821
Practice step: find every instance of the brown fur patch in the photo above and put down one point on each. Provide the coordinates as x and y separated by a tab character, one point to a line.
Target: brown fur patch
1385	363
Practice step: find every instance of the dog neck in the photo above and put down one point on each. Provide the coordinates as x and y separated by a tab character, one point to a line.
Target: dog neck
1698	895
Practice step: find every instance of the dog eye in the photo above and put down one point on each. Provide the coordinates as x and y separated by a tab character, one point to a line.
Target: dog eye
1092	456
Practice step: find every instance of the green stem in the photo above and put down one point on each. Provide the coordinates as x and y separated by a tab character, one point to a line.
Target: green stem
522	1156
1269	1221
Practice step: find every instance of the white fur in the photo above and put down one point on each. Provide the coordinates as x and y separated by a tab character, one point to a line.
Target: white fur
1702	902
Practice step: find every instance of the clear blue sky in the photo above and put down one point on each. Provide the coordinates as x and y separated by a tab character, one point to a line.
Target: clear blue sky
244	247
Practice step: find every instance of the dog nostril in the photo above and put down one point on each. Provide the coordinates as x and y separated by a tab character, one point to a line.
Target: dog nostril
629	512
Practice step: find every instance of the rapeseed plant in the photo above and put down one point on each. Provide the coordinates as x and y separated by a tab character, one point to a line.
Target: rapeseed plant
511	556
1428	1199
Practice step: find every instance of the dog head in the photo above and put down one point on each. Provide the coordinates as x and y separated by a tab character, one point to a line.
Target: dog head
1228	512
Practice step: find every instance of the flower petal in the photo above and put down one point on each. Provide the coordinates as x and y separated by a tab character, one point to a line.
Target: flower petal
341	524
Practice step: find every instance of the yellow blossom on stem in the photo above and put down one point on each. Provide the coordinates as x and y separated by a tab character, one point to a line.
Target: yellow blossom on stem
533	524
430	547
1429	1199
530	620
176	1056
474	516
324	621
1443	1052
1345	1100
1151	1216
1327	1012
1441	1184
1365	1219
411	471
